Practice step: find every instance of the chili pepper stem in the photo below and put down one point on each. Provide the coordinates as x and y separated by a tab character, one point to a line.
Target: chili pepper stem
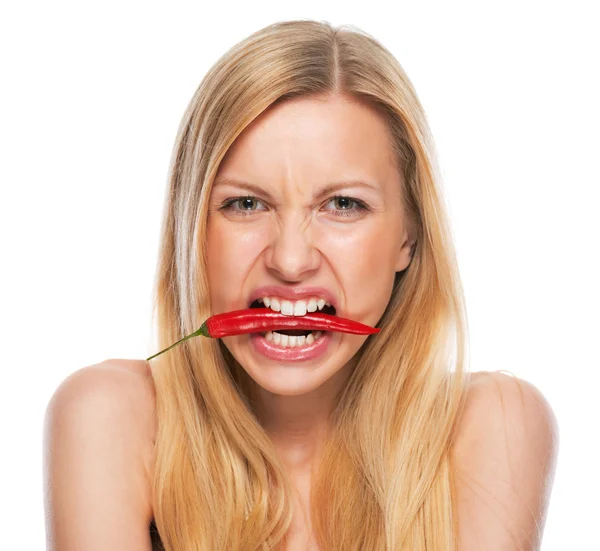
202	331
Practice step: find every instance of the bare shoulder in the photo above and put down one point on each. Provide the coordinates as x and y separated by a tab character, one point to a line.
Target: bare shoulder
495	399
99	430
123	388
505	458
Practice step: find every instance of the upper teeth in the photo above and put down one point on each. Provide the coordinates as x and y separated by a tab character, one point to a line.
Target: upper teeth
295	308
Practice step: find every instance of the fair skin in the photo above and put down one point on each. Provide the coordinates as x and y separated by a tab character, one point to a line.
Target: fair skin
292	235
101	422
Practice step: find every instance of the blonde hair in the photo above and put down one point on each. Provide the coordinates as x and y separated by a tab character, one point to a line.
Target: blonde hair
386	480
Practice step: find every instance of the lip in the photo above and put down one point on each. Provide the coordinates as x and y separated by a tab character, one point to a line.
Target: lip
292	293
263	347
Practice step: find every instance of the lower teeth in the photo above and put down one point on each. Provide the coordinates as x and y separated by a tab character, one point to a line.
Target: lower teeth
291	341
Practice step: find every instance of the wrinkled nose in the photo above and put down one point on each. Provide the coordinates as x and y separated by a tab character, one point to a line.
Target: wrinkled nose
291	253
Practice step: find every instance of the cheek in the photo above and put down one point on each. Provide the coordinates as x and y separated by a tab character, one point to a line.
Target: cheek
364	263
230	254
363	254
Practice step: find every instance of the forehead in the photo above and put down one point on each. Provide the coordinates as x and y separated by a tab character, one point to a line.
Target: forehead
313	139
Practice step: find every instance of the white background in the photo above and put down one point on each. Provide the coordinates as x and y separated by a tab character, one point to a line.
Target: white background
91	97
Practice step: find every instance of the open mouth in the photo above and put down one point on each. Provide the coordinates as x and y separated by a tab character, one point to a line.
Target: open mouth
297	332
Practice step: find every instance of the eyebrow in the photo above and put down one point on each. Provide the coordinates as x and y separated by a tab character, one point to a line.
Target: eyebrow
333	186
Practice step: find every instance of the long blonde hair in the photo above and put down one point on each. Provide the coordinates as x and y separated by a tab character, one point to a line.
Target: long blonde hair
386	480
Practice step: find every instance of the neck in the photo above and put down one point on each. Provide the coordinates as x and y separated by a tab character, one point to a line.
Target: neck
298	424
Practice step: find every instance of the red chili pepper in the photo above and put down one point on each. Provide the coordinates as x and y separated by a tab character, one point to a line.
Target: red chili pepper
255	320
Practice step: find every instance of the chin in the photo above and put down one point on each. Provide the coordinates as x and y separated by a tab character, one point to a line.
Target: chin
286	380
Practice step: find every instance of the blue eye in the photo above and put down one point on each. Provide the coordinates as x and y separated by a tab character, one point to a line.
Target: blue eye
245	205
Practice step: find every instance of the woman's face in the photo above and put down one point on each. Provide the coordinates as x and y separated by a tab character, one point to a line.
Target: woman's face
293	234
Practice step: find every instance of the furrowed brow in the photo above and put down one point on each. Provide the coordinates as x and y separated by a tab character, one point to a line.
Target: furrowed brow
330	188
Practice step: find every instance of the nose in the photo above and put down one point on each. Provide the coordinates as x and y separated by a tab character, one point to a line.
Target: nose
292	254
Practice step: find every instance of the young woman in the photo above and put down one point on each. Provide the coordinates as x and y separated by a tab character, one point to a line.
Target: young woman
303	179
